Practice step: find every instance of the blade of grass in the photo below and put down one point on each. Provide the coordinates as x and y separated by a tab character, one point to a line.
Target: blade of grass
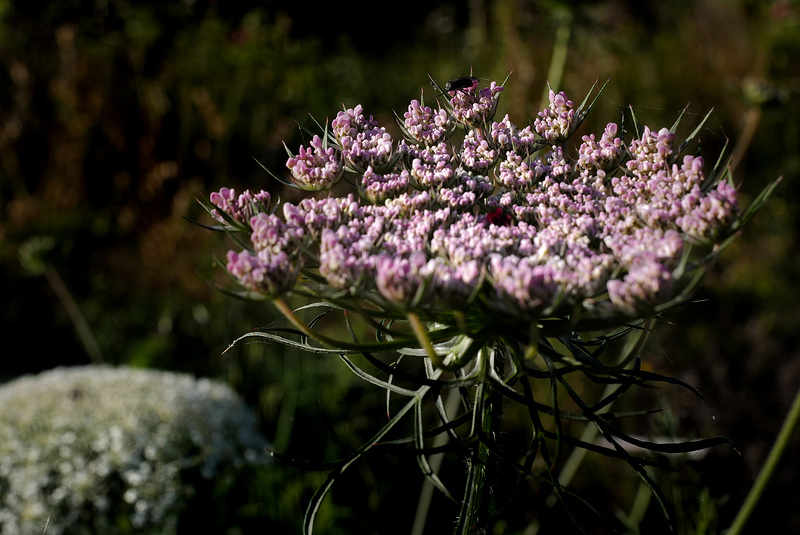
778	448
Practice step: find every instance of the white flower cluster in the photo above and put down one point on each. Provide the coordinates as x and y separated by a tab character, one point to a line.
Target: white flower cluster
81	446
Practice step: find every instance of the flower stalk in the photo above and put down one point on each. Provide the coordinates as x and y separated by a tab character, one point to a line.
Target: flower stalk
475	504
424	341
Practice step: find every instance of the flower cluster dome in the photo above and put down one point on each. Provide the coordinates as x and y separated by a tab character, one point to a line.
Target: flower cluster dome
505	222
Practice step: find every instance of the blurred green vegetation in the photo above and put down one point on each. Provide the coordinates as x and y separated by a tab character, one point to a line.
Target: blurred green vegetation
116	115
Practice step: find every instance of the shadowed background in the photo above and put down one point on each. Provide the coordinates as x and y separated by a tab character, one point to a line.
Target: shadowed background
116	115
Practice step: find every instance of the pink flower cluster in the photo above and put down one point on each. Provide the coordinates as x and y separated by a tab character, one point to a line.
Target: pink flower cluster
506	221
555	123
316	167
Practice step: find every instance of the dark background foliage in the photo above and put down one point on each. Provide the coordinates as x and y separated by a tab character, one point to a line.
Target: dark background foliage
116	115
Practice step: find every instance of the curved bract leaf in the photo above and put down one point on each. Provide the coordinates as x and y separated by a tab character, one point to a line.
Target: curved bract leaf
274	336
389	387
422	460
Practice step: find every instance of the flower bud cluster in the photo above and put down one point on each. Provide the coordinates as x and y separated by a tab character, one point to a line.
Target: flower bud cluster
508	137
241	208
476	108
601	155
477	154
425	126
363	143
379	188
317	167
507	220
554	123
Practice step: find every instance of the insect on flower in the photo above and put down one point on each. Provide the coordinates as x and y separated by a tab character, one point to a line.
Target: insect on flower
462	83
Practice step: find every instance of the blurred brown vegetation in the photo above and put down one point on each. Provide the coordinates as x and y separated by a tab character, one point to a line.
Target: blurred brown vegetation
116	115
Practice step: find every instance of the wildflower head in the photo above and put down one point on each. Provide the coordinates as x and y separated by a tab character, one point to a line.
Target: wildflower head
379	188
362	142
238	208
556	123
400	279
495	256
475	108
645	285
425	126
492	222
265	272
431	168
601	155
318	167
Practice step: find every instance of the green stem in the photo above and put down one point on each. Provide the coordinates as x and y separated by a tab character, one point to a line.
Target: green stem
74	313
781	442
640	504
559	58
473	509
420	333
475	505
426	493
424	340
287	312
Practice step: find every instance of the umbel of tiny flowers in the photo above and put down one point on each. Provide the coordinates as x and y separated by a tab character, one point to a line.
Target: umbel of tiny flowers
317	167
493	252
577	231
